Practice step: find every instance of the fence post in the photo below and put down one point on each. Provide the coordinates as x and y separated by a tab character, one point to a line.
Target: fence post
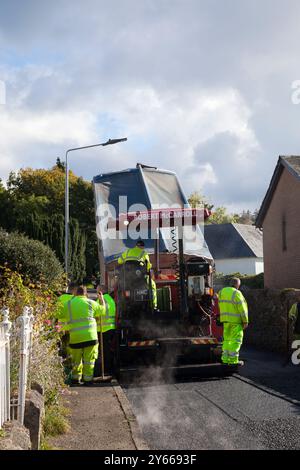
31	319
6	324
26	321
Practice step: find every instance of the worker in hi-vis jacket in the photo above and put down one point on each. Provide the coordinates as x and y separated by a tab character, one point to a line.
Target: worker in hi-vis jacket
138	253
234	316
80	320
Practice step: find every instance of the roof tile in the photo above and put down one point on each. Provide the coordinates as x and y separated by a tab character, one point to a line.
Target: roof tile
234	241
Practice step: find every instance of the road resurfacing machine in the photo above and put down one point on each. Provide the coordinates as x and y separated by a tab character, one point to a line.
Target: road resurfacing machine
180	332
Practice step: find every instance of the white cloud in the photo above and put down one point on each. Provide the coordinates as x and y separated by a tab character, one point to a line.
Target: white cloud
183	124
25	137
172	125
202	88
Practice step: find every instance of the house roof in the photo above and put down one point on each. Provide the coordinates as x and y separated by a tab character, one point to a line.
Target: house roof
233	241
292	164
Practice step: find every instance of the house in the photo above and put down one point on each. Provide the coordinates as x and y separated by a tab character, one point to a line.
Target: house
279	217
236	248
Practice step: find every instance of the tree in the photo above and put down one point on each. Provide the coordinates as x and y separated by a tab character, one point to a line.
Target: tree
61	165
221	216
197	200
5	205
247	217
33	204
77	243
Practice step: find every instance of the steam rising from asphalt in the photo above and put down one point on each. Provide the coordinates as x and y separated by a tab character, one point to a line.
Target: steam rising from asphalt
176	415
155	411
154	399
167	414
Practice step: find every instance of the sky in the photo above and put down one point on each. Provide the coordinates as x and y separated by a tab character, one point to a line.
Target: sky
200	87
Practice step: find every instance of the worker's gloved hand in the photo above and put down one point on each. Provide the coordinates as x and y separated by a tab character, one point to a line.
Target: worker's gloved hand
245	325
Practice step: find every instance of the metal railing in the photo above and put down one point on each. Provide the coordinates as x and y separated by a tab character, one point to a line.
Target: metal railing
5	327
23	329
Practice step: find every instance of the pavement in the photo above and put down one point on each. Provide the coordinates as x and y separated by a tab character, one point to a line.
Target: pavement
101	419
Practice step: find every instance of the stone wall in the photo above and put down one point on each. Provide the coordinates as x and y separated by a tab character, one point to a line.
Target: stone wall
268	312
16	437
34	415
19	437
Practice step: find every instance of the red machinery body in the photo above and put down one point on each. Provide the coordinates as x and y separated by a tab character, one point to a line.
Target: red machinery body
185	325
184	328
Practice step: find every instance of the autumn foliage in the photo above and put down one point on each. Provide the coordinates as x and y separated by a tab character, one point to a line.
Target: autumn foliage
33	204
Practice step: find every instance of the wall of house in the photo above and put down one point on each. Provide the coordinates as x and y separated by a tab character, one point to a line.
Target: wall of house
281	235
240	265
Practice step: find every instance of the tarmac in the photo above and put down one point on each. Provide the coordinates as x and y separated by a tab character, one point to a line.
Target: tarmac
101	418
258	407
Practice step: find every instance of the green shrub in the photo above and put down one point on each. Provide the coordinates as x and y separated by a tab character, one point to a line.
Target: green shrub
255	281
46	367
31	258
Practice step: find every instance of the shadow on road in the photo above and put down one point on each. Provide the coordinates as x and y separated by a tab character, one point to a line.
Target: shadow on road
266	370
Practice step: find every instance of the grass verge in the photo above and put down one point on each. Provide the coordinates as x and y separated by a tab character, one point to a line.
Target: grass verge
56	421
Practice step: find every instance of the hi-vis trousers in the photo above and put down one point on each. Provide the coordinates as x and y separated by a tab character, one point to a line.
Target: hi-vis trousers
83	363
232	341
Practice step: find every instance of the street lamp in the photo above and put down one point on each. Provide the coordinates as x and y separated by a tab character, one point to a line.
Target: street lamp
109	142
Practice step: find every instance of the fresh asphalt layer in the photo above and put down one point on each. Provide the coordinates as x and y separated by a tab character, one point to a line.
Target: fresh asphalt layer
256	408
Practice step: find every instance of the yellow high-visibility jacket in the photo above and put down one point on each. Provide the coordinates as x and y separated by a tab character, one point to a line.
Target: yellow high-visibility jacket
108	318
233	306
79	319
154	293
61	301
135	254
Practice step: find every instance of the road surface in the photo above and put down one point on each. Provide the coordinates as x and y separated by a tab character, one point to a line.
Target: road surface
258	408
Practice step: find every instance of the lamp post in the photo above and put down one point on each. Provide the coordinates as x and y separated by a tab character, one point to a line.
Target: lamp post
109	142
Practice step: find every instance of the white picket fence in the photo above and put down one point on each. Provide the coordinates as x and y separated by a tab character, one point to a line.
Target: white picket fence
5	327
23	327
